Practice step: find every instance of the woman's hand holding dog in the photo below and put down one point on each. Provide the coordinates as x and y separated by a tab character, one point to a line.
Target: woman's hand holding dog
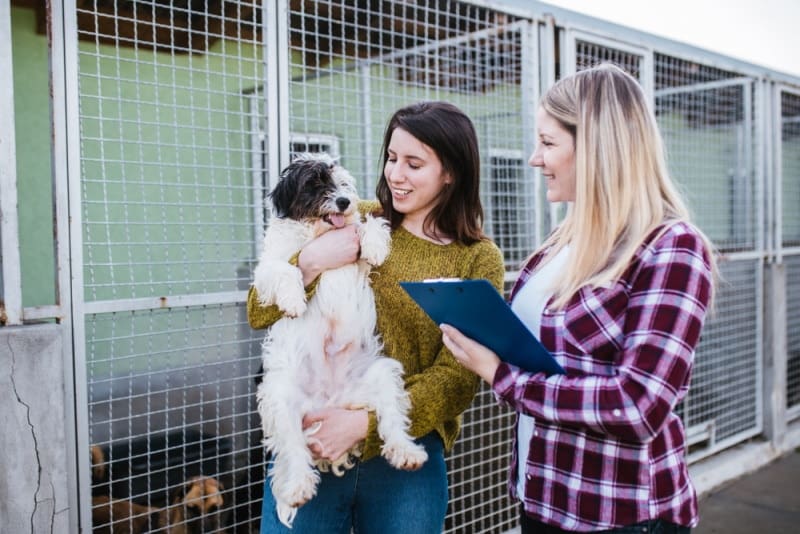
339	430
329	251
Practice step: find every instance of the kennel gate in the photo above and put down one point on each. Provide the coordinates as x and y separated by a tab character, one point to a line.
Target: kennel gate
178	131
787	242
163	250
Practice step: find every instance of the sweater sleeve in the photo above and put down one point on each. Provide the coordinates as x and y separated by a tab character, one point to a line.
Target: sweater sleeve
441	392
260	316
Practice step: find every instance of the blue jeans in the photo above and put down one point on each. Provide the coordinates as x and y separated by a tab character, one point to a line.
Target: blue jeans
655	526
372	498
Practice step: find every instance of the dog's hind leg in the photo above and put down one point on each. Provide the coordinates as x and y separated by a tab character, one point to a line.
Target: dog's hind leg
293	478
388	397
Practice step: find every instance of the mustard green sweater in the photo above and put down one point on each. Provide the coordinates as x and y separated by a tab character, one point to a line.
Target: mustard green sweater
440	389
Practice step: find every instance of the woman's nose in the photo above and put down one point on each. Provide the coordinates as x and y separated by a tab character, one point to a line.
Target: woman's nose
536	159
393	173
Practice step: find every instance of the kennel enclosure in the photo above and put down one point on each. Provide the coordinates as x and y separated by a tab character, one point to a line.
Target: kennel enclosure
149	133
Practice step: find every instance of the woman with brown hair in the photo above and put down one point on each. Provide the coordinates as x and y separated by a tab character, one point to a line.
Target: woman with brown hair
429	192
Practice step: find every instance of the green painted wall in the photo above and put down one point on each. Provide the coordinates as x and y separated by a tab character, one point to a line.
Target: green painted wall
166	169
336	101
166	159
34	173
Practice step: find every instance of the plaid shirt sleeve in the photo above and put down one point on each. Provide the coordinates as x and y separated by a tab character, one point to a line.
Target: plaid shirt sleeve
642	333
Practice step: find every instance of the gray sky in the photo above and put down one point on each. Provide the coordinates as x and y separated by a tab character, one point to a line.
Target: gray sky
765	32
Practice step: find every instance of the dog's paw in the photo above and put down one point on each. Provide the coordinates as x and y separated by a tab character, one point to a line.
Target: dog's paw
375	240
281	284
298	490
263	292
291	305
342	464
405	455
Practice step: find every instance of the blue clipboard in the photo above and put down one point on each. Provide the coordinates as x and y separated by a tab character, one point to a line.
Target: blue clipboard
476	309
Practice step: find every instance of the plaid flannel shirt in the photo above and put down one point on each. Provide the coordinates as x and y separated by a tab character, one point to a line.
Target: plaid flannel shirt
608	448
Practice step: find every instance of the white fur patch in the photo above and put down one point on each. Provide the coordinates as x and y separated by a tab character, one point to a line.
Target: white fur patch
324	353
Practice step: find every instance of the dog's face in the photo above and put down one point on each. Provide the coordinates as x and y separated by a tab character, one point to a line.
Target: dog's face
197	505
315	190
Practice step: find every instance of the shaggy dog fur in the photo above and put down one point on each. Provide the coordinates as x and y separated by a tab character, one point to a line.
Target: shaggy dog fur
323	352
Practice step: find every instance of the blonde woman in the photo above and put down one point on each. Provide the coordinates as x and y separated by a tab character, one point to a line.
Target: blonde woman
618	293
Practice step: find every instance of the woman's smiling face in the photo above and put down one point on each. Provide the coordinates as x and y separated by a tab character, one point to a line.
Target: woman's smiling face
415	176
555	156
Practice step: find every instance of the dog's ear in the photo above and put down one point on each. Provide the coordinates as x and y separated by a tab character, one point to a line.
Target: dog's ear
284	193
98	464
287	197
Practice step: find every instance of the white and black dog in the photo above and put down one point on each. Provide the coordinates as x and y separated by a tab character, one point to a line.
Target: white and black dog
323	352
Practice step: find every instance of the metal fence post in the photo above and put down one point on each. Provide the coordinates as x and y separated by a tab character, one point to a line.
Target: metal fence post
10	275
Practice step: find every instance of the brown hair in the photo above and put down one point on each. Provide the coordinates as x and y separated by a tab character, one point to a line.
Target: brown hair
451	135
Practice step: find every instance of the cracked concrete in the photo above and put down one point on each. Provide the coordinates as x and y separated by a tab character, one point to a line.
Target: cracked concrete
33	485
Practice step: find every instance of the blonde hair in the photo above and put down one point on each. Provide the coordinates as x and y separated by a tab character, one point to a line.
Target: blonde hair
623	189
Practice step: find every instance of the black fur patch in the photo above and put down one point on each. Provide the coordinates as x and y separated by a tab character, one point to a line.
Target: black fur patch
305	186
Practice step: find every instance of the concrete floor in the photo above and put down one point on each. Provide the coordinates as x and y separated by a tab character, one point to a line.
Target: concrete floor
766	501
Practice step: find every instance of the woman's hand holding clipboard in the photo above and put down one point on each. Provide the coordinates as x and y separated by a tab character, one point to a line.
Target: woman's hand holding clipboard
477	310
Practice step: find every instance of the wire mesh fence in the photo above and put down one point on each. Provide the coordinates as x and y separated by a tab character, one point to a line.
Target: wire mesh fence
793	334
706	118
704	106
166	184
790	237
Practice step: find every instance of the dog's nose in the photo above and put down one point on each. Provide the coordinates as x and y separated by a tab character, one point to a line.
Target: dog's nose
342	203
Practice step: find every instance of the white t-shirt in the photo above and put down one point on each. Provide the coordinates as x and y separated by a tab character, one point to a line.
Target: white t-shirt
528	304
